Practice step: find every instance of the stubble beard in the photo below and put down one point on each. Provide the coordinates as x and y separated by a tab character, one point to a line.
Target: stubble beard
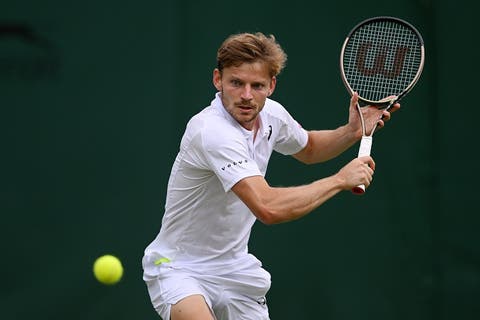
239	116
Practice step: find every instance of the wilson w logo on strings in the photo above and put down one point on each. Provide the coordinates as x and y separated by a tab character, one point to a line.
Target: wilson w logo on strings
380	66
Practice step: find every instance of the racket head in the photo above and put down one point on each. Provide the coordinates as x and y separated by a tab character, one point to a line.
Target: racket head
382	59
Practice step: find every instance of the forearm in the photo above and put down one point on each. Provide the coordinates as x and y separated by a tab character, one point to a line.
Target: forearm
273	205
324	145
287	204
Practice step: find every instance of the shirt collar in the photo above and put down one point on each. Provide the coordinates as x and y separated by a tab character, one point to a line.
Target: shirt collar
264	129
217	104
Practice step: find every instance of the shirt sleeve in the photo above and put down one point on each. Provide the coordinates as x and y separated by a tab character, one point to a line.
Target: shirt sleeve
228	156
291	137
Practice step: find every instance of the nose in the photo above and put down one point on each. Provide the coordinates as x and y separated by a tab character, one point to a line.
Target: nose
247	93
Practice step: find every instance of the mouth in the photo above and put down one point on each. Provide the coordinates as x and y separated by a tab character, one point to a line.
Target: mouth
245	107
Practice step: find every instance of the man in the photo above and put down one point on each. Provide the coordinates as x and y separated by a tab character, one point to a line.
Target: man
198	266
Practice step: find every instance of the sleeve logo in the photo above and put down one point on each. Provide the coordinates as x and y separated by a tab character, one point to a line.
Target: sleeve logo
234	163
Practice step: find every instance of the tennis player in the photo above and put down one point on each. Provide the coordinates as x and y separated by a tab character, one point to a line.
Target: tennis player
198	267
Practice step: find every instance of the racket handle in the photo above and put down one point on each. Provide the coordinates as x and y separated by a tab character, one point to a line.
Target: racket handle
364	150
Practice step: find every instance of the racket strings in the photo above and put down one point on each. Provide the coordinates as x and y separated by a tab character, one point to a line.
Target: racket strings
382	59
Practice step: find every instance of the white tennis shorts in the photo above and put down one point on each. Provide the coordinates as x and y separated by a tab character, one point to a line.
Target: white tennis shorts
232	296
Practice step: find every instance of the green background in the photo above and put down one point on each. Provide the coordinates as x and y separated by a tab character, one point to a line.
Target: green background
92	112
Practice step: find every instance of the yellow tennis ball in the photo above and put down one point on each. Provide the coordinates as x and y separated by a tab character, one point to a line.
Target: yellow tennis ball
108	269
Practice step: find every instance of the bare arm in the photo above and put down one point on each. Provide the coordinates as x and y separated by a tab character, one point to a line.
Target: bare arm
324	145
276	205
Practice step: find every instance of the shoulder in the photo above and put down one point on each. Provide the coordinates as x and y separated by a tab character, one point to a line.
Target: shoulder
212	129
276	113
274	107
275	110
287	134
202	121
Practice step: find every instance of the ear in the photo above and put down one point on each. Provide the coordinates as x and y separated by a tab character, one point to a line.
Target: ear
273	83
217	79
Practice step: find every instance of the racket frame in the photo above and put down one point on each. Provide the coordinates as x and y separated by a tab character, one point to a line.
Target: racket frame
386	103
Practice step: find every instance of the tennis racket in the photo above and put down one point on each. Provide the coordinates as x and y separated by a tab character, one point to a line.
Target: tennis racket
381	59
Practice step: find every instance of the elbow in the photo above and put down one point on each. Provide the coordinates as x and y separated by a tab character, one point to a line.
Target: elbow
268	221
307	161
267	216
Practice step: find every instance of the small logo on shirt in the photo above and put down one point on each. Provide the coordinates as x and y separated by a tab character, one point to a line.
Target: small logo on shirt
269	132
262	301
234	163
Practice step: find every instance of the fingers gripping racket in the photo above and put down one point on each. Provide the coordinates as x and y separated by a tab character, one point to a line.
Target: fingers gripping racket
381	59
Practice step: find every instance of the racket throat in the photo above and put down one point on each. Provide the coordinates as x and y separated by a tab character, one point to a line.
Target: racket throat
382	104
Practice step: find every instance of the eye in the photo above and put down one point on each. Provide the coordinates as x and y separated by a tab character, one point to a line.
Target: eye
236	82
258	86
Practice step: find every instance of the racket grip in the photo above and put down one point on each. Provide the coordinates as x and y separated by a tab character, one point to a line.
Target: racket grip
364	150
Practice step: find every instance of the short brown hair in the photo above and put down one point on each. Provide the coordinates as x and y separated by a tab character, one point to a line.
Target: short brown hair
248	48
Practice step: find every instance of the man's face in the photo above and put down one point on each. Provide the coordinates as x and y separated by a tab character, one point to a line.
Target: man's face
244	90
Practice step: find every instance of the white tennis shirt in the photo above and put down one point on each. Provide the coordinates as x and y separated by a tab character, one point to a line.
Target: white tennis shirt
205	225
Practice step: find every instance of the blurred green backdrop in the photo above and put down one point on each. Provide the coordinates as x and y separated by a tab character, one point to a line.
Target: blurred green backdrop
94	97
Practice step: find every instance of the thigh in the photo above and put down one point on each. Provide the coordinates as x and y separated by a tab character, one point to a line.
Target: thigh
244	295
174	290
191	308
241	307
